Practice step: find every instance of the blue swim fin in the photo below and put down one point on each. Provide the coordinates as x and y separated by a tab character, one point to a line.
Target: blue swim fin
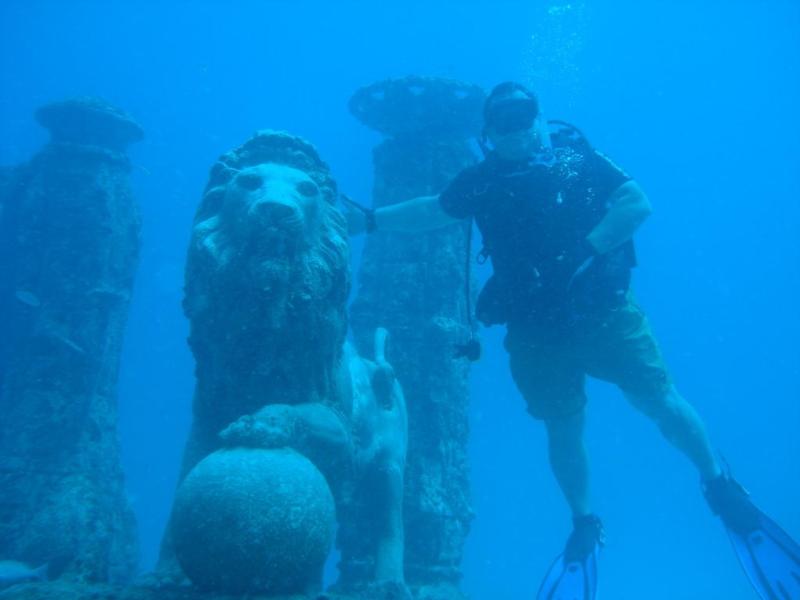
573	575
771	560
769	557
576	580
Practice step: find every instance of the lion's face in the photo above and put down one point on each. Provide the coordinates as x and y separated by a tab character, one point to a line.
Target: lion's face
270	241
275	206
267	279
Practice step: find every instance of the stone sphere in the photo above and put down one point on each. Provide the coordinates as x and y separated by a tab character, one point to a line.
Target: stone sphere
253	520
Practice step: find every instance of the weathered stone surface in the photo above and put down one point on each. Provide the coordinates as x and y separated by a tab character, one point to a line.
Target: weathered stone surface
314	430
69	237
267	276
67	590
414	284
372	530
251	520
89	121
421	107
267	281
64	590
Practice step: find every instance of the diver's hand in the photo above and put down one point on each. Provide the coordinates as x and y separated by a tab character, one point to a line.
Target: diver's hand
585	257
580	271
356	220
360	219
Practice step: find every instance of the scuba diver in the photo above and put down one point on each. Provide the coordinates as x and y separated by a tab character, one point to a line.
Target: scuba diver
557	219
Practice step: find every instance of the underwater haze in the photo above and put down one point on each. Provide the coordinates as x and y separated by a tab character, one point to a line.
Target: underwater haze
698	101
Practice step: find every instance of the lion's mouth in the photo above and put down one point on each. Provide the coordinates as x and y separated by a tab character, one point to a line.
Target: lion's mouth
277	229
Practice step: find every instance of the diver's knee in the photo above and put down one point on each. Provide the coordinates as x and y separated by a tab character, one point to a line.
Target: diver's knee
565	431
654	405
667	410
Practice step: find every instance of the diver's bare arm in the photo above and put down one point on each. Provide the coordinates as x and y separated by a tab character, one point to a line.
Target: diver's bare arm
629	207
418	214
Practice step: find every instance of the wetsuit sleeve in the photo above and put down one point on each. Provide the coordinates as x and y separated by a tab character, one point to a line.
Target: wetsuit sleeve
458	199
628	208
604	175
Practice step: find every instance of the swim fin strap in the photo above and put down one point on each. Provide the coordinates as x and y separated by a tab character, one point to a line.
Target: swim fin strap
576	580
770	558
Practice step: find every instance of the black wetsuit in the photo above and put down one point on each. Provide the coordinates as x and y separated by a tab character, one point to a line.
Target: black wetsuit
534	217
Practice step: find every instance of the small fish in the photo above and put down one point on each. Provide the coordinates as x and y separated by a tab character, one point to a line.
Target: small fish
28	298
13	572
68	343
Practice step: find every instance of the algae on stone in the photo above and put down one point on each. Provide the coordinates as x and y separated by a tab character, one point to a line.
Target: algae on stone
414	285
69	228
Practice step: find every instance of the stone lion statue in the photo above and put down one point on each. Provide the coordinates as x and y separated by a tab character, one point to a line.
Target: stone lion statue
267	280
370	453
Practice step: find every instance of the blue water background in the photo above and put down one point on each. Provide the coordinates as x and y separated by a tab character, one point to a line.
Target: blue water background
697	100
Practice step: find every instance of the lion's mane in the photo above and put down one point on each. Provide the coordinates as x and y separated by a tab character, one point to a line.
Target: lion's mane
265	328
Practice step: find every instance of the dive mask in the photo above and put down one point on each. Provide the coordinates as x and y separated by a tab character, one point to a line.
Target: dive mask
512	114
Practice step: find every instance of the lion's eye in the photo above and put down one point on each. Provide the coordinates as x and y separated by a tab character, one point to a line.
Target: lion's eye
307	188
249	181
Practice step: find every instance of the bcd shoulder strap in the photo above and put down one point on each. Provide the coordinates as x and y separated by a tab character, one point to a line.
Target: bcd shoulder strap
566	134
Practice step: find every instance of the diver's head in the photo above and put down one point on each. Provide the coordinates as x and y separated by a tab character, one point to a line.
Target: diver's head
510	121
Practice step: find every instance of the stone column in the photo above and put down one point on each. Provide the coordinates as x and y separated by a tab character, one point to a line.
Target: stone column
414	286
69	244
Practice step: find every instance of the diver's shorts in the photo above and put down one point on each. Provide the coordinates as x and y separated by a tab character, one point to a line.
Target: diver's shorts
617	346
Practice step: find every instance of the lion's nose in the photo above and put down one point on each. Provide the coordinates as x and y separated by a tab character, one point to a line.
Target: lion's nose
275	212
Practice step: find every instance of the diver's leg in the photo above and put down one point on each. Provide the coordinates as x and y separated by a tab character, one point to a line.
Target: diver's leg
626	353
569	460
682	427
552	382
